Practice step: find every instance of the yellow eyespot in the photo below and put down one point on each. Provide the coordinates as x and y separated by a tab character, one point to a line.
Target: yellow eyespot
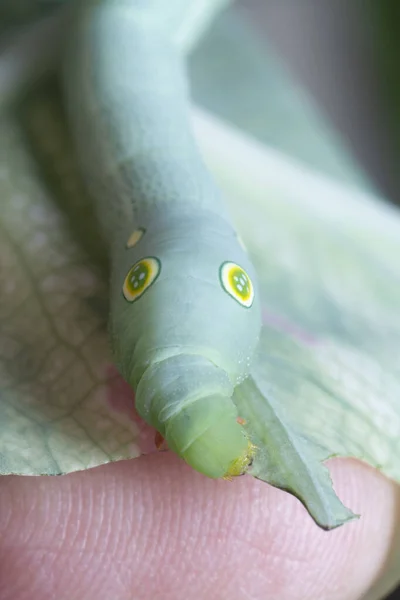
135	237
237	283
140	277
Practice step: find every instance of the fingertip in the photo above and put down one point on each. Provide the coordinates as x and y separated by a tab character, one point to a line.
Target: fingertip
154	528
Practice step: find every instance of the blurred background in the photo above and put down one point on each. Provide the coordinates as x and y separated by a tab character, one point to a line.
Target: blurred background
340	51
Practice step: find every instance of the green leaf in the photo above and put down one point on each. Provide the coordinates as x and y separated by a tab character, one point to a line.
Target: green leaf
286	459
328	362
327	262
56	376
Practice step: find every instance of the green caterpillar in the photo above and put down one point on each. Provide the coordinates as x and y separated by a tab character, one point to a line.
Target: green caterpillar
185	313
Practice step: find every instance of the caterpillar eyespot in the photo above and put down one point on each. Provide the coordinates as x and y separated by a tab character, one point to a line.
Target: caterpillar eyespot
135	237
140	277
237	283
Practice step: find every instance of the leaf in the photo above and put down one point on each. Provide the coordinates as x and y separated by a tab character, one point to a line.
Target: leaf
287	460
57	382
327	262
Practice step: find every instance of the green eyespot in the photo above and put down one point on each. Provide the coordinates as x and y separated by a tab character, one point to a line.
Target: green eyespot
237	283
140	277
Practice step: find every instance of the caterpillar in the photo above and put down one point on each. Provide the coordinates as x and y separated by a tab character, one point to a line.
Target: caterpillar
185	315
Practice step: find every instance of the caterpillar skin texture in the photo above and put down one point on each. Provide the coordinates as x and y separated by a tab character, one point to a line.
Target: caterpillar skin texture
185	314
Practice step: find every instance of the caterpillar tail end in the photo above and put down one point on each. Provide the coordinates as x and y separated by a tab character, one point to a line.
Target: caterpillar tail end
208	436
240	465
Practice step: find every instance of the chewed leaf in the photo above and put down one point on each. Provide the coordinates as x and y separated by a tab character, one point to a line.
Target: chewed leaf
328	269
285	459
60	401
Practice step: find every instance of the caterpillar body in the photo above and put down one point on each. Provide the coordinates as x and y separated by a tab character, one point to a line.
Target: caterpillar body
185	314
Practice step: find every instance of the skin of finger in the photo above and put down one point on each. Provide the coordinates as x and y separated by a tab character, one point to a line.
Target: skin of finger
152	528
390	575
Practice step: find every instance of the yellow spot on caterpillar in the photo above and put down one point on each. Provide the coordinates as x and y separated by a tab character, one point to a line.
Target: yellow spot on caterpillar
240	465
140	277
135	237
237	283
241	421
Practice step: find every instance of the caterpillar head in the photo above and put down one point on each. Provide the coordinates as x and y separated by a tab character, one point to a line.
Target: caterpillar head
186	321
